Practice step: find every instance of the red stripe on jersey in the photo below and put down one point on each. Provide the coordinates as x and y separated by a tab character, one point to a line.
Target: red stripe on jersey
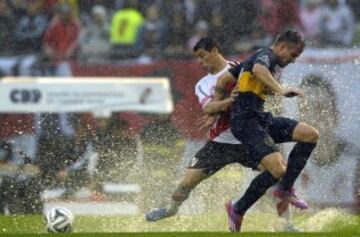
205	100
222	124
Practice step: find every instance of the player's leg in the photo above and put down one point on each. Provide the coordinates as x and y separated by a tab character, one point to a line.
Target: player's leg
263	151
285	130
260	146
307	138
201	167
257	188
191	179
261	183
289	224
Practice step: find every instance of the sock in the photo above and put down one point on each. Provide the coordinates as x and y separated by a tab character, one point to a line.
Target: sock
257	188
173	207
179	196
297	160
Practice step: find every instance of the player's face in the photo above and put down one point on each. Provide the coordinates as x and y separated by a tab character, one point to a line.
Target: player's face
206	59
288	54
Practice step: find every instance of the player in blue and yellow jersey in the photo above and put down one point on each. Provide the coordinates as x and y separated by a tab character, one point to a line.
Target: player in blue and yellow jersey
259	131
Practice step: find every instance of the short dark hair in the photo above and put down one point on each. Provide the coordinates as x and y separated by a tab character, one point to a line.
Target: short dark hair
290	36
207	44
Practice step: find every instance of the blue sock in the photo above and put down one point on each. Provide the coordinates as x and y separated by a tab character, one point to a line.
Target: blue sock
257	188
298	158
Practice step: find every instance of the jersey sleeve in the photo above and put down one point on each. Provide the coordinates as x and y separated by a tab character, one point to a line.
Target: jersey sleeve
265	58
235	70
233	63
203	95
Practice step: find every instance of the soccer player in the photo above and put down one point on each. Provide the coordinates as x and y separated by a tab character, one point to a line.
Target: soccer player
222	148
259	131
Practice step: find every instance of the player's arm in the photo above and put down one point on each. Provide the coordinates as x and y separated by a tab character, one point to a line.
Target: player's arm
220	88
220	104
206	122
263	74
206	100
213	107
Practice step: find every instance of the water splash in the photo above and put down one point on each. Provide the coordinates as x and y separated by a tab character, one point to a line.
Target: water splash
328	220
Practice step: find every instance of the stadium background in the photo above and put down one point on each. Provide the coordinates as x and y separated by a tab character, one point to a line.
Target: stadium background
140	153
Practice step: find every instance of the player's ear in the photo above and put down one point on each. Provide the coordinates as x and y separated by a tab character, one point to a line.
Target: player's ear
283	47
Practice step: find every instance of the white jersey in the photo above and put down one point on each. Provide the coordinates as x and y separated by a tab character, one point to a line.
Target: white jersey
204	90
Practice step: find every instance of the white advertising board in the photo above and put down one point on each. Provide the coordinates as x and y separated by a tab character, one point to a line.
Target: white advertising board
331	82
25	94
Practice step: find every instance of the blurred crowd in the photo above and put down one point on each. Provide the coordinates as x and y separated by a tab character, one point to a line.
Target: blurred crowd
96	31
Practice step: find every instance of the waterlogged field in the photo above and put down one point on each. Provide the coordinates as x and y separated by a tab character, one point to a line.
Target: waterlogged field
212	222
329	222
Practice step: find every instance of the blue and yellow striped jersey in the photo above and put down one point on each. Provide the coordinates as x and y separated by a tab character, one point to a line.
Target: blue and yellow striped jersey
249	87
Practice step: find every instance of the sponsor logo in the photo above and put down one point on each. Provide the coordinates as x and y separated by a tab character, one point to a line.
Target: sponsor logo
265	59
269	141
25	96
145	95
194	161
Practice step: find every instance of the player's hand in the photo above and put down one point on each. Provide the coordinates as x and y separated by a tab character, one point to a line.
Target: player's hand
292	91
234	93
206	122
230	100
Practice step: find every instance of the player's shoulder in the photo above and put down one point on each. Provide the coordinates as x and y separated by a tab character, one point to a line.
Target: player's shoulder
210	79
263	51
264	56
204	81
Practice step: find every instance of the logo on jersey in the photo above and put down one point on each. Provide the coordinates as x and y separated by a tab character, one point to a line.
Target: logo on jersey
265	59
194	161
269	141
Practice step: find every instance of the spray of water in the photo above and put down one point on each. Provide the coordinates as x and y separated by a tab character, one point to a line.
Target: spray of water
330	219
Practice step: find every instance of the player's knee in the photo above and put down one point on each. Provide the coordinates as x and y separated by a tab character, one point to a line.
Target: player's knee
277	169
313	135
274	164
306	133
181	193
261	168
310	135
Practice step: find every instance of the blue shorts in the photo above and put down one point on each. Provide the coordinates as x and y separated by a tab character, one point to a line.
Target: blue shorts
213	156
259	131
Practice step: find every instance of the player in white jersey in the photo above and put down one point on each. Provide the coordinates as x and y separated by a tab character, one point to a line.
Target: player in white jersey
222	148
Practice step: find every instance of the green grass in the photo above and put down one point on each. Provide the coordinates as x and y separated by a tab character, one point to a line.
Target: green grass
326	223
200	234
